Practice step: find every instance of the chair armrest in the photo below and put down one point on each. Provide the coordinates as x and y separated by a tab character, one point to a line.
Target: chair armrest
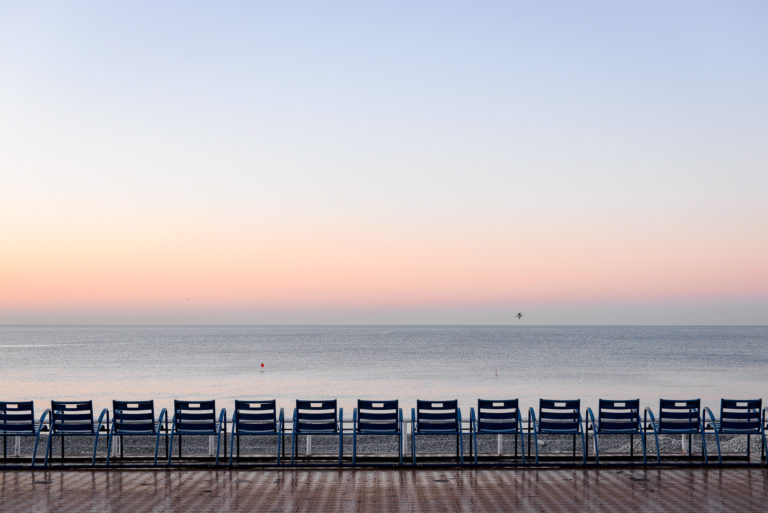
46	413
580	420
104	412
531	418
281	420
341	420
163	416
222	420
400	418
413	420
711	415
591	418
472	422
649	413
458	419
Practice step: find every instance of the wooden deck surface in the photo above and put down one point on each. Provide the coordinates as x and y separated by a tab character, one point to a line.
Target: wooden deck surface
439	491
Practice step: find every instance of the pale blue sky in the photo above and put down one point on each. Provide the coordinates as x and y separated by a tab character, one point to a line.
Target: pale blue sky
621	127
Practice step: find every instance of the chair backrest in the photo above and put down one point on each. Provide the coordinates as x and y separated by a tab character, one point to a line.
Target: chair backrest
679	416
195	416
72	416
256	416
740	416
134	416
377	416
437	415
17	417
618	415
497	415
316	416
559	416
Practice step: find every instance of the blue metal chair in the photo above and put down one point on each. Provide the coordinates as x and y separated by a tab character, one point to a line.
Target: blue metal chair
75	418
377	418
198	418
558	418
738	417
17	418
617	418
256	418
677	417
134	418
497	418
437	418
317	418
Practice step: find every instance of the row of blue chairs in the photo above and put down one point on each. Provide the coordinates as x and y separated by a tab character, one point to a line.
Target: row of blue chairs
499	417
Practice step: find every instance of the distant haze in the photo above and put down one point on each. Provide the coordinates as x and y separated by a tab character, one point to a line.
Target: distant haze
384	162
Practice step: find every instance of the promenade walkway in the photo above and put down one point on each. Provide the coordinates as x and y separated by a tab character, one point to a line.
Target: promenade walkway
440	491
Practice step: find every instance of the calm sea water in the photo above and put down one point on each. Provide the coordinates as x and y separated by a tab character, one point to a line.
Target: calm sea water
380	362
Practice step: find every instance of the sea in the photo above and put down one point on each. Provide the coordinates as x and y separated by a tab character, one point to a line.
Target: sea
286	363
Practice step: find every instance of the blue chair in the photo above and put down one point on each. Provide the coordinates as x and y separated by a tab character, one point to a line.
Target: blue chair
497	418
377	418
738	417
134	418
17	418
437	418
198	418
558	418
677	417
75	418
317	418
617	418
253	418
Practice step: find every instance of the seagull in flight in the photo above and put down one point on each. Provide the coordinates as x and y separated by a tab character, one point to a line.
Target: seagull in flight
519	316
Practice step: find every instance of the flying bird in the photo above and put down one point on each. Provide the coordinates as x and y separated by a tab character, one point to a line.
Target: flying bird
519	316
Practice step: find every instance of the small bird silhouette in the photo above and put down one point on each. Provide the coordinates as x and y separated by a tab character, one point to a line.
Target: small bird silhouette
519	316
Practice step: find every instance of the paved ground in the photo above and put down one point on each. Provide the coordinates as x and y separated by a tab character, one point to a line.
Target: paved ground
440	491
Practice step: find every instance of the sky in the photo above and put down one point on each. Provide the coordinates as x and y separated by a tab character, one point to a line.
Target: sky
384	162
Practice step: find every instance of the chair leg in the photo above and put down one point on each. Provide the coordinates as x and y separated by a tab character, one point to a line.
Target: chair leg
109	447
354	447
170	450
157	445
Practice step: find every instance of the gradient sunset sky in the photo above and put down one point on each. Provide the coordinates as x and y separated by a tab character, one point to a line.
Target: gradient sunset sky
384	162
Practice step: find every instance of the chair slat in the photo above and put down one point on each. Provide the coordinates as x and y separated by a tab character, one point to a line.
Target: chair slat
618	426
368	415
245	416
429	415
377	405
497	426
564	415
552	404
303	404
750	404
740	426
80	428
317	426
490	415
569	427
437	405
17	428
